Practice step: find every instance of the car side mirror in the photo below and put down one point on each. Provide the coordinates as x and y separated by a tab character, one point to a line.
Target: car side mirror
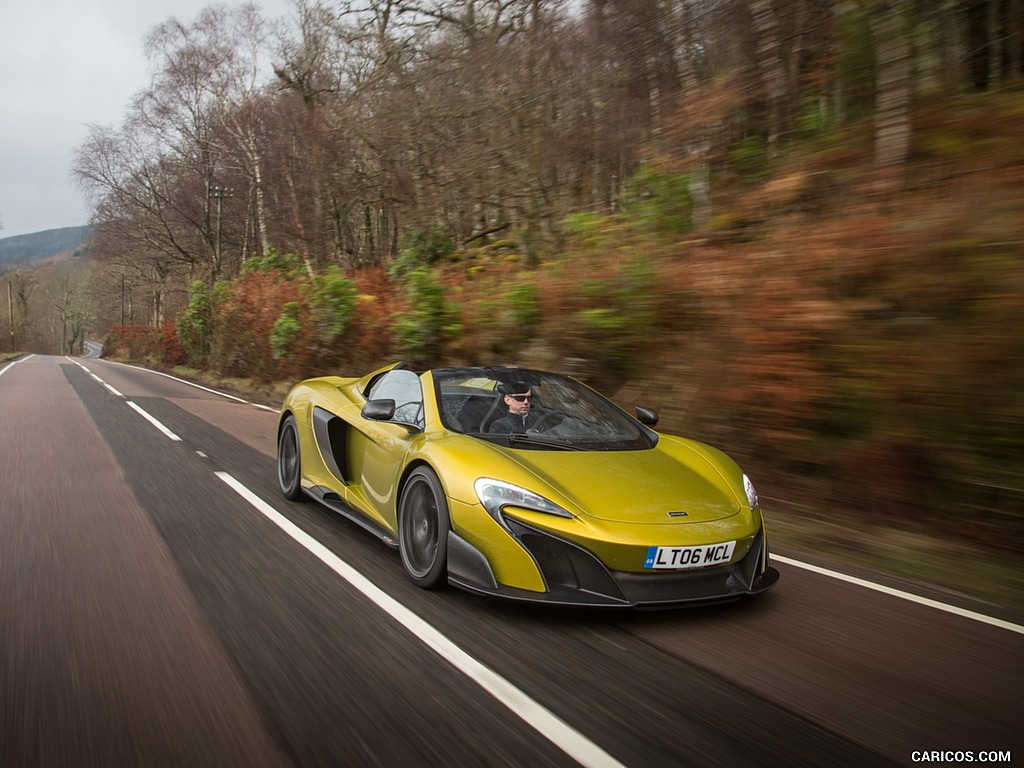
646	416
379	410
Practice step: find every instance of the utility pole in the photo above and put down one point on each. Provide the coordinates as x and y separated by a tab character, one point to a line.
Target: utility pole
10	310
218	193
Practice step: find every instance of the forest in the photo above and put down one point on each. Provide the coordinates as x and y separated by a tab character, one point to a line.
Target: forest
22	249
795	227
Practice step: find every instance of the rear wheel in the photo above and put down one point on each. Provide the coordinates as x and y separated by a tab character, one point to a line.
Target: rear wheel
289	462
423	524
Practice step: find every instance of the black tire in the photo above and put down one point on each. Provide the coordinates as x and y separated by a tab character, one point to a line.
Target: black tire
423	525
289	460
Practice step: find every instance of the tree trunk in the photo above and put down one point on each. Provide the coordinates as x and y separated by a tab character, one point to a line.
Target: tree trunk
995	44
893	88
769	58
1015	37
256	161
307	258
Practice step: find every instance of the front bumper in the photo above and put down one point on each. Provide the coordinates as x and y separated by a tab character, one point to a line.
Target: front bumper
573	576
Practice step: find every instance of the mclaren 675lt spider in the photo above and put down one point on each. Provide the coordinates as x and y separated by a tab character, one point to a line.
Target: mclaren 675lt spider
526	485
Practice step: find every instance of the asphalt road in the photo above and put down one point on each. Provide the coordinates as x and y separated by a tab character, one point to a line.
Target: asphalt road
162	605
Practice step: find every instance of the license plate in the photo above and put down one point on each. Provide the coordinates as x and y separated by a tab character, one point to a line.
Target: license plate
700	556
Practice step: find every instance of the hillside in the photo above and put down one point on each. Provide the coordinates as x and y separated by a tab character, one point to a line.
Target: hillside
22	249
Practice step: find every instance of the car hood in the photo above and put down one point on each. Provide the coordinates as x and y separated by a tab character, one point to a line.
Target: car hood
647	486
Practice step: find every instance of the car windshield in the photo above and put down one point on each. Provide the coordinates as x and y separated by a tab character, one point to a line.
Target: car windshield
534	410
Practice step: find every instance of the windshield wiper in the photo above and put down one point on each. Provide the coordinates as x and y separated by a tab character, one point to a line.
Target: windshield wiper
528	439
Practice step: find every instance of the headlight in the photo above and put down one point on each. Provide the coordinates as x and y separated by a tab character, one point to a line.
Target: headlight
495	495
751	493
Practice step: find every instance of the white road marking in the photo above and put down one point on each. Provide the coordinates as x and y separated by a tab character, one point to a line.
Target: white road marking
152	421
148	417
97	378
8	367
111	389
952	609
963	612
198	386
101	381
543	720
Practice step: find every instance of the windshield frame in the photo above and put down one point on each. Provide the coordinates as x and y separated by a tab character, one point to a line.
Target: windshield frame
588	420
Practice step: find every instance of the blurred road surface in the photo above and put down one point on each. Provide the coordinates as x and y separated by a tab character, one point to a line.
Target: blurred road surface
151	615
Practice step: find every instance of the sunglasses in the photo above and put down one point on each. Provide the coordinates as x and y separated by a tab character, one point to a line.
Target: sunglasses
521	398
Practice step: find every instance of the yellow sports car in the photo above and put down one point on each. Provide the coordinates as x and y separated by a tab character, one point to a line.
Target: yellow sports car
526	485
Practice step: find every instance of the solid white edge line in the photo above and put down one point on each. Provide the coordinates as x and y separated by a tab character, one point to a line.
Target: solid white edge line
197	386
962	612
13	363
152	421
543	720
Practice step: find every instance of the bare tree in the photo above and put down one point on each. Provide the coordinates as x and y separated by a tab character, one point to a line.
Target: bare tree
892	115
489	118
73	309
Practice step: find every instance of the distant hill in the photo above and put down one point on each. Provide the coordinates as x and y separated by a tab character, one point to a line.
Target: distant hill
23	249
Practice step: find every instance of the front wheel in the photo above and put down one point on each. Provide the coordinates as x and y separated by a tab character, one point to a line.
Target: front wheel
423	524
289	461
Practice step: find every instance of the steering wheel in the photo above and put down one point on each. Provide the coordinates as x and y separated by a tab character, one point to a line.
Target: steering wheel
544	419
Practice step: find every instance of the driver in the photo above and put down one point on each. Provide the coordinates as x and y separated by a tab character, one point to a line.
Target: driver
521	416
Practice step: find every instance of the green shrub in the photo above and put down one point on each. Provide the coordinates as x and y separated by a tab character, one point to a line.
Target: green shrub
658	201
503	322
332	297
588	229
749	159
195	325
615	333
522	304
286	329
422	249
288	264
422	329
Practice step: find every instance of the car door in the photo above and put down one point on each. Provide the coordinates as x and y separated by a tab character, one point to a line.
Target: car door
378	448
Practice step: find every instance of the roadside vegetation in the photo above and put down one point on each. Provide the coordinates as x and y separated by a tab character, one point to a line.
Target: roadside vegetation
806	248
857	348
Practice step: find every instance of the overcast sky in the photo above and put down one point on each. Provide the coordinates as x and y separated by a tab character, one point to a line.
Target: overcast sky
65	64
